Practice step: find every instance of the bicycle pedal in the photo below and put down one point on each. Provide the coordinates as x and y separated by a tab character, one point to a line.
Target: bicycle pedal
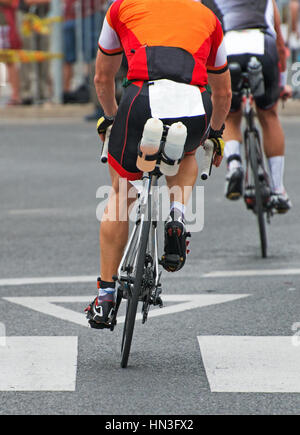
159	302
95	325
171	262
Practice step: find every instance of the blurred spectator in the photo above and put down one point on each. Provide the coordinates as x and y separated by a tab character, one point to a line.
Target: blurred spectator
9	39
69	36
295	29
85	17
35	77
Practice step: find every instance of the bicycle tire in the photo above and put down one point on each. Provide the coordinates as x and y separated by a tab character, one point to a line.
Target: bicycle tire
252	147
133	300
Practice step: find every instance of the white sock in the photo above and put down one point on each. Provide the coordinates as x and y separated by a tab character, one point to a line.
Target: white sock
233	147
276	166
179	206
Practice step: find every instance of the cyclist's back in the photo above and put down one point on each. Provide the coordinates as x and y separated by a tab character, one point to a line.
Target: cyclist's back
163	39
241	14
168	44
257	17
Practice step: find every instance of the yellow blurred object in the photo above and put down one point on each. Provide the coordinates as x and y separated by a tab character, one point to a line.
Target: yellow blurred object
27	56
34	24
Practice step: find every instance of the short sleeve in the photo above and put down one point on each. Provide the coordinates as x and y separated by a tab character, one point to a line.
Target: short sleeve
217	59
109	41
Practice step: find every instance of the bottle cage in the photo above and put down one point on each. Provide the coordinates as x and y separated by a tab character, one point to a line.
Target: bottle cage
160	155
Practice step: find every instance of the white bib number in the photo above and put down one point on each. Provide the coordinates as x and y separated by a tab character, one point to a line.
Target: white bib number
245	41
170	99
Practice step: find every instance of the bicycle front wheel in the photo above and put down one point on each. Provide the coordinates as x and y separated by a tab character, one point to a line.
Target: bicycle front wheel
254	155
133	299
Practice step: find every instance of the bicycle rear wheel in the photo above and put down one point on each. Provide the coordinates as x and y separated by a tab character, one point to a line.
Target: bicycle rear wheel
254	155
133	299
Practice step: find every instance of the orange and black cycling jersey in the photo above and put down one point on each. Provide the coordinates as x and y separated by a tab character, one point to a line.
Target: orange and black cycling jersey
179	40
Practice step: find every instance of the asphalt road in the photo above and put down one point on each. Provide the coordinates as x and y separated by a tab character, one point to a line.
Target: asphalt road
233	350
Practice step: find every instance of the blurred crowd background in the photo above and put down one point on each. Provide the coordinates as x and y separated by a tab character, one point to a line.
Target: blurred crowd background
48	50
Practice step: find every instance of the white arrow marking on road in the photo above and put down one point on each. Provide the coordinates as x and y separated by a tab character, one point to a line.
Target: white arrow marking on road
251	364
38	364
46	305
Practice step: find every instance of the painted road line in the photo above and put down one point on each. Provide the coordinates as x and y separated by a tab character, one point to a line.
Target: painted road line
249	273
47	305
48	280
93	278
38	364
251	364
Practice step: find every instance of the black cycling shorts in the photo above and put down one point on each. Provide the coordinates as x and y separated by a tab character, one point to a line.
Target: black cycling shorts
270	64
127	130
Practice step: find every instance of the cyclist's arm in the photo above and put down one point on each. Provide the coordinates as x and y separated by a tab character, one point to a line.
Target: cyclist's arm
219	78
279	41
106	70
221	98
108	62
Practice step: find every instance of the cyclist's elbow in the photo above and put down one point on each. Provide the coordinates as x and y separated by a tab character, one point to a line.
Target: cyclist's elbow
102	80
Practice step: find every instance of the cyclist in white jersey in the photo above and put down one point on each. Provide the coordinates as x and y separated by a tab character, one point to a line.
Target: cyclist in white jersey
253	29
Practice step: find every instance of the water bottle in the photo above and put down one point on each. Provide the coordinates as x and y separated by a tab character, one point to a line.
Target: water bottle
256	77
150	144
173	149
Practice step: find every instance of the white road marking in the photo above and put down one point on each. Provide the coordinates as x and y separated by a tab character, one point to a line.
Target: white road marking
93	278
245	273
251	364
46	305
38	364
48	280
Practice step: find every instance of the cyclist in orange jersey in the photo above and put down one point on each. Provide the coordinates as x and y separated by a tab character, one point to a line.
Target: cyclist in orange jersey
174	50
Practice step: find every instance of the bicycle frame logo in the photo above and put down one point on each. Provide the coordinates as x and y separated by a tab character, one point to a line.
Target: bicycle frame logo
3	75
113	210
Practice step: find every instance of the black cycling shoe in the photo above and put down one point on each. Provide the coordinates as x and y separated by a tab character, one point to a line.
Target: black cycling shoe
281	202
175	245
234	184
99	313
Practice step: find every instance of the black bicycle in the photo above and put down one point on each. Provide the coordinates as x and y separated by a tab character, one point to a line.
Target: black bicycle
139	278
257	188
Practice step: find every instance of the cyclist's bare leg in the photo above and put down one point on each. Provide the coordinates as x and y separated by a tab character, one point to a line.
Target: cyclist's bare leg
181	184
180	189
274	147
114	226
232	152
233	127
273	135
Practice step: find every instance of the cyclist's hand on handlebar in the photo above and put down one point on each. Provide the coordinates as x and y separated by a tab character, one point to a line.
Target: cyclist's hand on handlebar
102	125
286	92
216	137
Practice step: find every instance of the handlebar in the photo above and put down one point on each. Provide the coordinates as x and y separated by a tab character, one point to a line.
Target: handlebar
104	154
207	160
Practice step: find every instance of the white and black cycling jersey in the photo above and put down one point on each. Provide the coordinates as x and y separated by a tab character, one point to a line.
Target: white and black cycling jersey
244	14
